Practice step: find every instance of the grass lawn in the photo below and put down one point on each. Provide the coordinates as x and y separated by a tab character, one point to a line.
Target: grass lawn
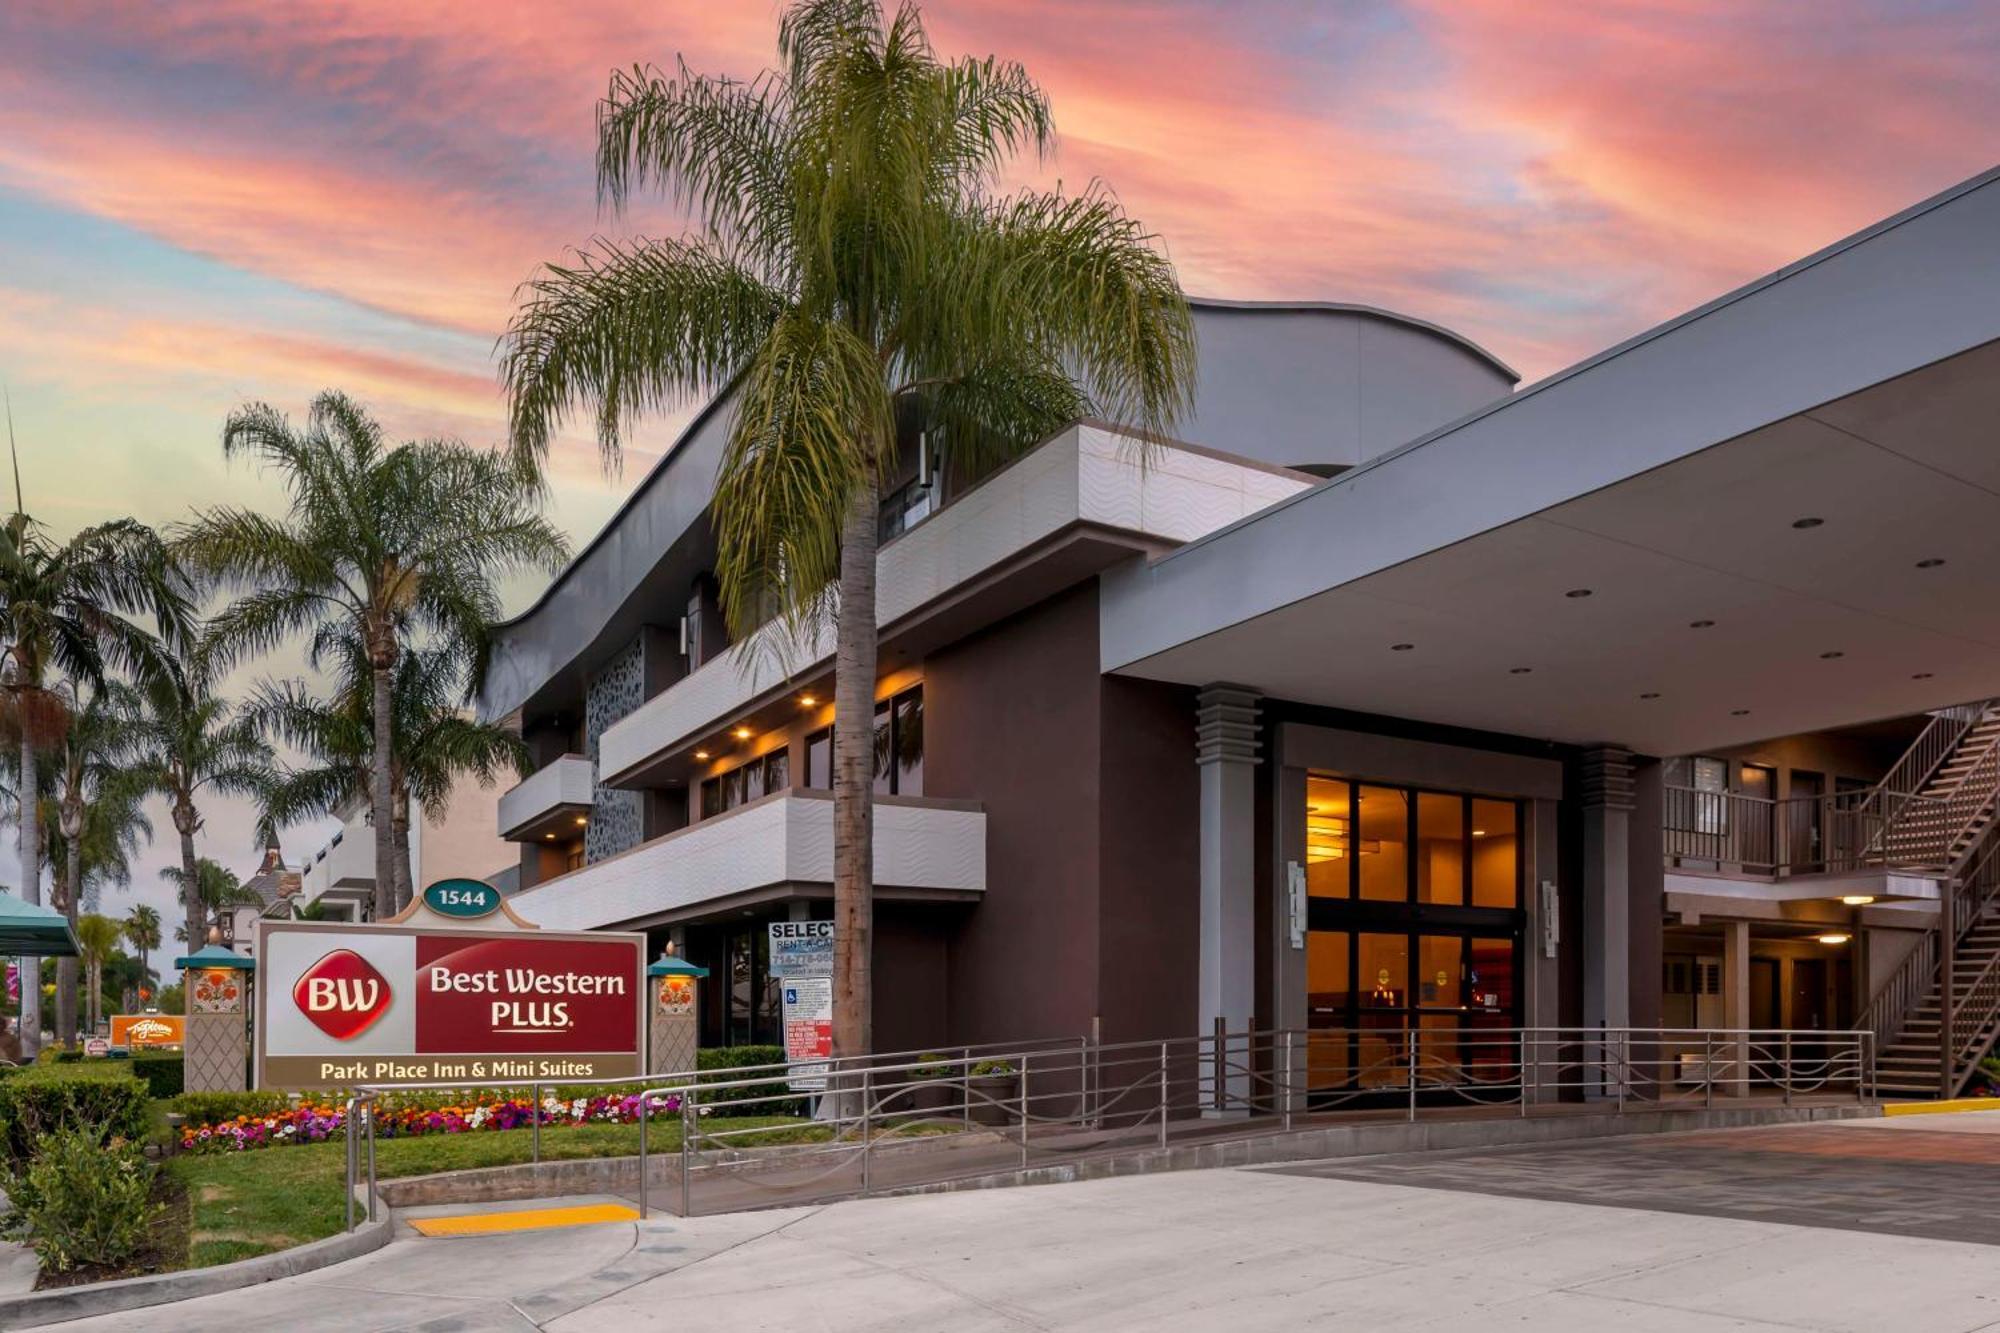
250	1203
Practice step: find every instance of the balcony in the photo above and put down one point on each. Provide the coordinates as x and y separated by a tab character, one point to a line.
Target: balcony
1864	844
557	794
1088	477
773	849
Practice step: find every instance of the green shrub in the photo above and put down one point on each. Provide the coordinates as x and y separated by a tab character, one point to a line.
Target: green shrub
85	1200
68	1055
163	1075
721	1063
208	1108
51	1099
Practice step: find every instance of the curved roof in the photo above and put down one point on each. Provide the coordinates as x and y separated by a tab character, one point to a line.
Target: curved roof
1438	331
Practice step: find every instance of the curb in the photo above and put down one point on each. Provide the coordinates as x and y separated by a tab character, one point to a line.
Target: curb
1942	1108
135	1293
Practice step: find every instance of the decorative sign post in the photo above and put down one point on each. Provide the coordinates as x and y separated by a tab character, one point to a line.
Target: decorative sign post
455	987
802	965
675	1025
216	985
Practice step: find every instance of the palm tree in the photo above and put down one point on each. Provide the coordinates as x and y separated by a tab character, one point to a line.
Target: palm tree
379	542
142	932
63	608
215	890
852	272
432	742
96	813
189	744
96	940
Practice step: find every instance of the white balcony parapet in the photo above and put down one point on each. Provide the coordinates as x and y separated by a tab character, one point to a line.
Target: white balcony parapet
568	783
927	846
1086	475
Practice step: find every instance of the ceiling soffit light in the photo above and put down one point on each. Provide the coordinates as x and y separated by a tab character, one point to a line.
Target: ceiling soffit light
1578	593
1701	624
1834	937
1831	655
1739	712
1856	899
1804	523
1931	562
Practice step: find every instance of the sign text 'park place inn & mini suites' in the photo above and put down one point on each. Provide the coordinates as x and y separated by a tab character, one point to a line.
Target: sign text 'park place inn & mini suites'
341	1004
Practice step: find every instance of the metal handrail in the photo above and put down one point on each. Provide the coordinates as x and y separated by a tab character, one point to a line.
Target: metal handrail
1924	756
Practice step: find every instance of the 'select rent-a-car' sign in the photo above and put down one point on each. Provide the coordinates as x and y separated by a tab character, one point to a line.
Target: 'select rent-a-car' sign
340	1005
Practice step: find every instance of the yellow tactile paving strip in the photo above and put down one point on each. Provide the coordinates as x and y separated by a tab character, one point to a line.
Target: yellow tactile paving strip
529	1219
1942	1107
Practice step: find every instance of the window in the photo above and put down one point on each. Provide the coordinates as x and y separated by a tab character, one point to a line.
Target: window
899	747
759	777
904	508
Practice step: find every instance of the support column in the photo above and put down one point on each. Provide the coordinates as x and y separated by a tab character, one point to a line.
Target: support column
1734	1053
1226	751
1605	789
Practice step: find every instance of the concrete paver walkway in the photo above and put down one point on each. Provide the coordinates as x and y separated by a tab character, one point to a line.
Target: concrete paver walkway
1241	1249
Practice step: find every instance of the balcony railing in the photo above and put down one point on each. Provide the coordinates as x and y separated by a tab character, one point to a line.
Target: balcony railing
566	785
1828	834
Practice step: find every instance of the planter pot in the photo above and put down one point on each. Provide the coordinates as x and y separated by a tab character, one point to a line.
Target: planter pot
934	1096
993	1097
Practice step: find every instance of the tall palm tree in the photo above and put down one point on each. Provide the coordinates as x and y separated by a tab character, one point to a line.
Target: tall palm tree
433	743
190	744
64	609
96	940
215	889
852	270
142	932
96	813
380	542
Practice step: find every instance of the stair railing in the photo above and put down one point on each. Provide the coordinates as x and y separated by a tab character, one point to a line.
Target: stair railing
1925	755
1967	1010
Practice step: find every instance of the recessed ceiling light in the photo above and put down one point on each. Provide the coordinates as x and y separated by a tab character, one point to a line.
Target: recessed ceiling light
808	700
1519	671
742	733
1807	522
1739	712
1701	624
1577	592
548	835
581	820
1856	899
1401	647
1921	675
1650	694
701	754
1479	833
1833	937
1829	656
1931	563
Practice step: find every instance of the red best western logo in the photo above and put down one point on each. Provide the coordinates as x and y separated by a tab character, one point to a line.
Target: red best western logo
342	994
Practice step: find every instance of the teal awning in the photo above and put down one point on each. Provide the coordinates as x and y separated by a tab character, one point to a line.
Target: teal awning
34	931
671	966
214	955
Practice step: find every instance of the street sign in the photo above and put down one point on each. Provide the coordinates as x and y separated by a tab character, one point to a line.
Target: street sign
802	964
341	1004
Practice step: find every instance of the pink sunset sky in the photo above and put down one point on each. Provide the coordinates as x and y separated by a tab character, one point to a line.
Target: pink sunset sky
212	201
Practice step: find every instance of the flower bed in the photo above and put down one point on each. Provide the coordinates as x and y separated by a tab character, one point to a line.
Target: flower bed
315	1122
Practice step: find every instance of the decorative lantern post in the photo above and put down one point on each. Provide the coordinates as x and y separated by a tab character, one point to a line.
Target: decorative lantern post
674	1030
216	988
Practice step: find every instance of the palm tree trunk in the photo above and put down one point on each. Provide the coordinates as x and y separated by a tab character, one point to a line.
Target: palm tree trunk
383	665
66	967
400	825
854	779
31	889
191	904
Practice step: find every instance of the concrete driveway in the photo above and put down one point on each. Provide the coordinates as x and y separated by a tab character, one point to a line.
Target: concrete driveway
1236	1249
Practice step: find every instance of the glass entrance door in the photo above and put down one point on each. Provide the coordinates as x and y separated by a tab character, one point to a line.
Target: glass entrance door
1413	945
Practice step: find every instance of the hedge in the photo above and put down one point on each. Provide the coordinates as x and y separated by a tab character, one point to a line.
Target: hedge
772	1098
209	1108
50	1099
164	1075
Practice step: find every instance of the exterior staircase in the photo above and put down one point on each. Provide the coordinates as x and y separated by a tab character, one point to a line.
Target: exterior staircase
1936	814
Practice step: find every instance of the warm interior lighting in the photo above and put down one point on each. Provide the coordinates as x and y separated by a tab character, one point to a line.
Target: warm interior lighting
808	700
742	733
1479	833
701	754
548	835
581	820
1834	937
1856	899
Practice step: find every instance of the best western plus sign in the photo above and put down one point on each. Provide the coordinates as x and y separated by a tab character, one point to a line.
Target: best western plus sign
345	1005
